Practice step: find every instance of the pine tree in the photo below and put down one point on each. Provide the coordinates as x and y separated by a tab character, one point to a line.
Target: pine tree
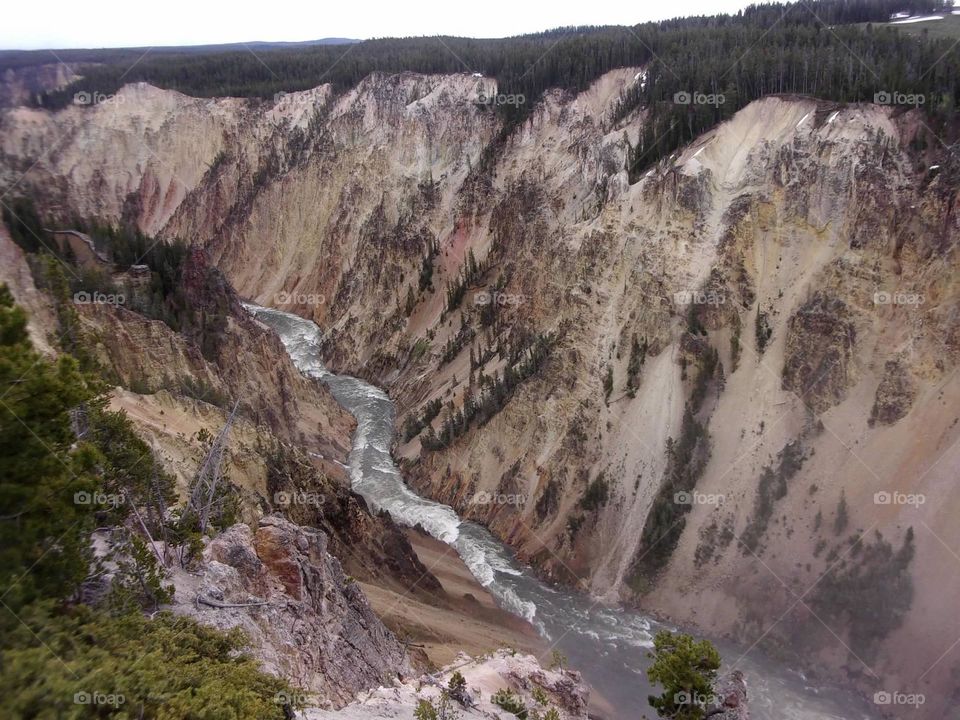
43	484
686	669
411	301
843	515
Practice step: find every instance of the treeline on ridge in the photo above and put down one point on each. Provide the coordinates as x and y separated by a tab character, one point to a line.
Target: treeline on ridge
823	48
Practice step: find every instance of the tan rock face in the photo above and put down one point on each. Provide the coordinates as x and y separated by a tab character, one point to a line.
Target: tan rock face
821	220
731	692
15	274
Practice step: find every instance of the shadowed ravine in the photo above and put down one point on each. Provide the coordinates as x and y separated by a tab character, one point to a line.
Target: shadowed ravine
607	644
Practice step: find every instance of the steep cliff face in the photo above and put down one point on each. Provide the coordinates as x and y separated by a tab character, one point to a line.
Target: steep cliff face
307	621
706	392
16	275
281	583
18	86
244	363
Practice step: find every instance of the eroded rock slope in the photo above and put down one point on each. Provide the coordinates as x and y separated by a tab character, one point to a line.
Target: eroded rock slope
726	392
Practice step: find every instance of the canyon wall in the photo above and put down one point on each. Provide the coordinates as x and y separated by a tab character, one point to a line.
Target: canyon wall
726	393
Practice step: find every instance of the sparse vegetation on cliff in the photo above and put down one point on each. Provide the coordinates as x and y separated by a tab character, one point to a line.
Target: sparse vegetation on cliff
772	487
172	282
455	344
762	330
414	424
638	353
687	457
469	274
491	400
870	591
596	494
510	703
68	466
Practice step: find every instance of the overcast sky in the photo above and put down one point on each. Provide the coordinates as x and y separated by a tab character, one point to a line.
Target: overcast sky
33	24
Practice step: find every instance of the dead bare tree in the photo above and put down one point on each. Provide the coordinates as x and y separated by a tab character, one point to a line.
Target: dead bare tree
204	494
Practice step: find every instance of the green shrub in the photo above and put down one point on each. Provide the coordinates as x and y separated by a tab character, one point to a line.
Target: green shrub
771	488
505	699
166	668
762	330
597	494
870	593
842	518
557	660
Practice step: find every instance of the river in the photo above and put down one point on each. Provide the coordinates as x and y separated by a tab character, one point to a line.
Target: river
607	644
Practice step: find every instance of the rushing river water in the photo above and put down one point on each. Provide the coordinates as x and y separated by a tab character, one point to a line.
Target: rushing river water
608	645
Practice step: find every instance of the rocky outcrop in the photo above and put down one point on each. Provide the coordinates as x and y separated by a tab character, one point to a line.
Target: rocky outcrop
895	394
306	620
371	547
820	345
731	695
503	671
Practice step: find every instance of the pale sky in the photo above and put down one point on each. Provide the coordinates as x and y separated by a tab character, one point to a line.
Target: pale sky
33	24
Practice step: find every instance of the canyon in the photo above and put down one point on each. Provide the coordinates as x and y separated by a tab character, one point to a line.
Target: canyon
725	394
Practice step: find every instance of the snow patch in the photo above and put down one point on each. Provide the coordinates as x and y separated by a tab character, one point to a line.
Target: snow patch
917	19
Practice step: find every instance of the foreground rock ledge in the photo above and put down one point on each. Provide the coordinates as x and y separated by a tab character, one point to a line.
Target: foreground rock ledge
504	669
307	621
